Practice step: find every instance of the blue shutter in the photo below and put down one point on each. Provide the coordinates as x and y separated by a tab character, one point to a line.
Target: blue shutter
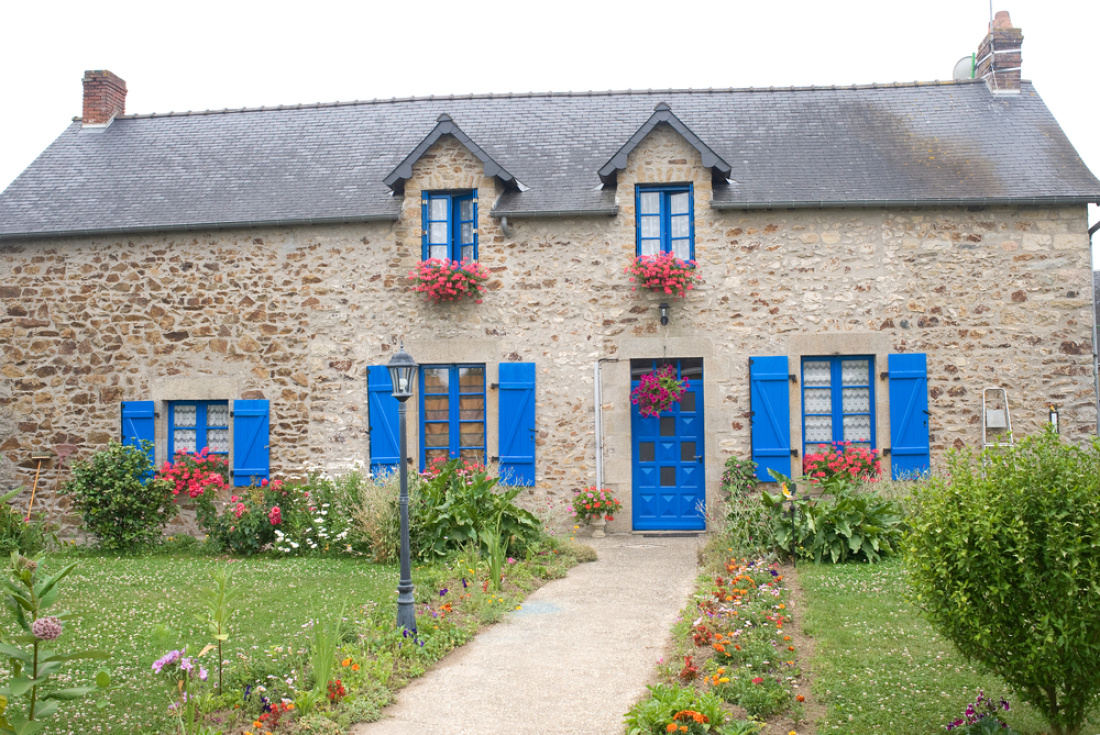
517	423
138	425
423	227
909	444
251	454
476	254
770	403
385	451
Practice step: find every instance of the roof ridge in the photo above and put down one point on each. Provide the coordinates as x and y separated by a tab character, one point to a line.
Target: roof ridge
533	95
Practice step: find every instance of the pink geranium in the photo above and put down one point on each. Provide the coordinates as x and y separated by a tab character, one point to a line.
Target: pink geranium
449	280
664	273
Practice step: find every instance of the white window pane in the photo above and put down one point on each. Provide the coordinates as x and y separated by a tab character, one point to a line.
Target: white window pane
217	415
816	372
184	440
185	415
218	440
436	380
437	232
437	251
467	210
855	372
681	227
857	428
818	400
857	400
819	429
651	227
467	233
682	249
680	203
651	247
651	202
467	252
437	209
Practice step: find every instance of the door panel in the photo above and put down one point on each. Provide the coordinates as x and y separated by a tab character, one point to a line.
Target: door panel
668	455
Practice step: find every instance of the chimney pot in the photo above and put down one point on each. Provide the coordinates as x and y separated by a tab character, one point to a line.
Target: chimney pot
1001	20
104	97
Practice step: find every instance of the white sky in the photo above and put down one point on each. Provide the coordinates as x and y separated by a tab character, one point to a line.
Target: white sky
211	55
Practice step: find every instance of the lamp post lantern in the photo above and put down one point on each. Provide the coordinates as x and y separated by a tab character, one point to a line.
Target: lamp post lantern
403	375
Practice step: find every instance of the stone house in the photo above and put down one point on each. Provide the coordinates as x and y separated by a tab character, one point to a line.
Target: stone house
870	259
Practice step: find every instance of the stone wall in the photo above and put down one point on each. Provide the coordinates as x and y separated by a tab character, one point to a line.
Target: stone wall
994	296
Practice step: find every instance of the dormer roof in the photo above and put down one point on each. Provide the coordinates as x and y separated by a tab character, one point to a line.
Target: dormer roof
662	113
444	125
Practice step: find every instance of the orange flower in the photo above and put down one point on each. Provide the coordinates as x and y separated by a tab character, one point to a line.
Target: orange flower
800	698
671	727
790	648
355	667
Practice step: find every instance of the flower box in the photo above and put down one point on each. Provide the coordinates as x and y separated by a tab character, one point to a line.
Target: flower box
664	273
449	280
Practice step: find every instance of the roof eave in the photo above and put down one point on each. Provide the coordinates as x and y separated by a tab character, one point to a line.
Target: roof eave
879	203
184	227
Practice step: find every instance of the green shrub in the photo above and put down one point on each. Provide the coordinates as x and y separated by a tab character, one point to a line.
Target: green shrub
458	504
848	526
26	534
739	476
1004	558
371	506
119	502
654	714
745	527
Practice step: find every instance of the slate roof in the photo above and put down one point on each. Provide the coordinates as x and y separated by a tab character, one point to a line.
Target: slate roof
940	143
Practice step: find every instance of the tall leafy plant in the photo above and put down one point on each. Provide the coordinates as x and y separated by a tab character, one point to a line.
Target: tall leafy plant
217	608
30	655
1004	559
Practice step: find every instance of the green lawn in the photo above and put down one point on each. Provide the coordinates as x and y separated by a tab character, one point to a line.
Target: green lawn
879	668
138	608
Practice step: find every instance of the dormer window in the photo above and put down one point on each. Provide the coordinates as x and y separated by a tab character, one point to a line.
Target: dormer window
666	221
450	225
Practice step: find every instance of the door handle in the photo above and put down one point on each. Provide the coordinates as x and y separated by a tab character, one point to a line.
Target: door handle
698	457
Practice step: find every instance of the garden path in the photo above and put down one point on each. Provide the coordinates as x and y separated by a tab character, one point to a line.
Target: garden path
574	659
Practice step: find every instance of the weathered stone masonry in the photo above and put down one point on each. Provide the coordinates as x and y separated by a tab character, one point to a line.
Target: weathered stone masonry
994	296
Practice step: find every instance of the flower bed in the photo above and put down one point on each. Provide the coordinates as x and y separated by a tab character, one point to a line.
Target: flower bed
449	280
664	273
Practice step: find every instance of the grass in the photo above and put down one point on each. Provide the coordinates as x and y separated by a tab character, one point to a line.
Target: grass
879	667
137	608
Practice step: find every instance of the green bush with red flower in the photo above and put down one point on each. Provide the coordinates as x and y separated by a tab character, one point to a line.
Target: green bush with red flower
449	280
663	273
200	477
593	502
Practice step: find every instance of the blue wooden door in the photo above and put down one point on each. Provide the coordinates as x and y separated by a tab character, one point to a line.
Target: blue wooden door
668	457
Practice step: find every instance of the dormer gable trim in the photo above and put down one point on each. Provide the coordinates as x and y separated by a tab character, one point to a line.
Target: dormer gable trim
446	126
662	113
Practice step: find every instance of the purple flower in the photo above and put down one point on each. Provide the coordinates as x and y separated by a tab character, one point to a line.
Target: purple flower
47	628
443	592
167	660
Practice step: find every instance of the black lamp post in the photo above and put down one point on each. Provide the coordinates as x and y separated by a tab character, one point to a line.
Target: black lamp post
403	374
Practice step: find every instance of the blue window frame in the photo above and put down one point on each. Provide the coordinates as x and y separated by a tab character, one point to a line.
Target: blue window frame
193	425
838	402
666	220
450	225
452	410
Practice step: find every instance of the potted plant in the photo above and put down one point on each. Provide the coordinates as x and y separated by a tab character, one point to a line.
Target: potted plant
658	391
441	279
595	506
663	273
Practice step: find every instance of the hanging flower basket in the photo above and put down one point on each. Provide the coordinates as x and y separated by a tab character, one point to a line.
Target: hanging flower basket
664	273
658	391
449	280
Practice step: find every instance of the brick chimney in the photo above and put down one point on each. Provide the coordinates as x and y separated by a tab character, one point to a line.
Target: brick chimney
104	97
1000	57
